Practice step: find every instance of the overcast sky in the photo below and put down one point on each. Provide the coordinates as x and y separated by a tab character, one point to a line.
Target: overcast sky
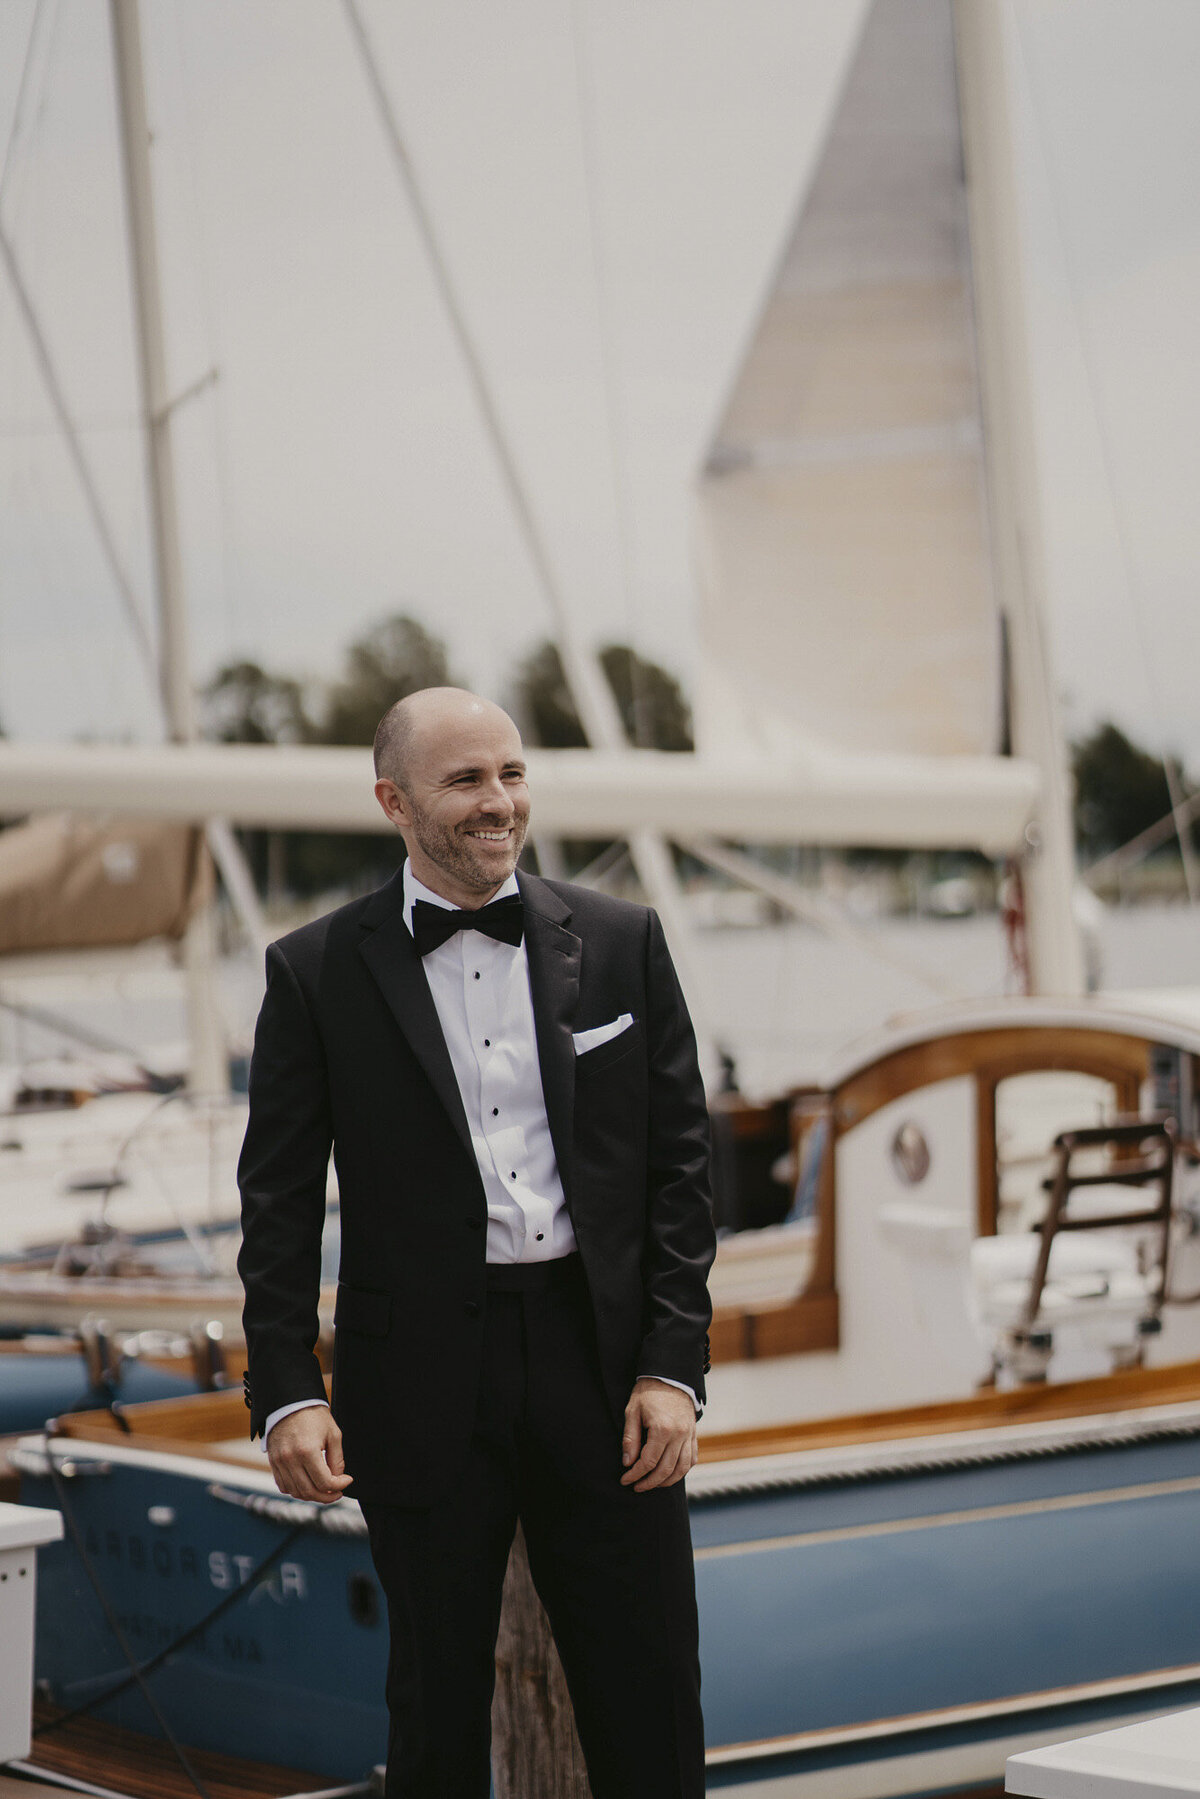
612	180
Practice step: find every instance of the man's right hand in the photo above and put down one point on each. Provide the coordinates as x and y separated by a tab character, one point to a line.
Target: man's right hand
305	1452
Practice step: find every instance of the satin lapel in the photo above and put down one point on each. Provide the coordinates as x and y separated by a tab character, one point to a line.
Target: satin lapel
391	956
554	957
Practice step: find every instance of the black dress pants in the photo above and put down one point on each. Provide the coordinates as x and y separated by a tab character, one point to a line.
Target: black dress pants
612	1567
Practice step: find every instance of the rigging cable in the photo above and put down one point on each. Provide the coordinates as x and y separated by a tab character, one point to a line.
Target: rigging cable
53	386
140	1671
78	457
23	87
136	1675
1178	797
593	699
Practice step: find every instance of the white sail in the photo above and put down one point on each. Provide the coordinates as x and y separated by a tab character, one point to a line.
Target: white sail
843	528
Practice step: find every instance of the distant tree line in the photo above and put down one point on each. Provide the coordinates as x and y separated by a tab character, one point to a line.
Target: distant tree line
1120	791
1120	788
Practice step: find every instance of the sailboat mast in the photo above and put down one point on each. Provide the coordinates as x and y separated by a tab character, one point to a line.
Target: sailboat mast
209	1067
983	29
174	672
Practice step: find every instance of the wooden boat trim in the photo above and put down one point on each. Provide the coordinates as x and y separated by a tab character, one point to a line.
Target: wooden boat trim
183	1425
1129	1390
998	1052
46	1343
1108	1015
1154	1680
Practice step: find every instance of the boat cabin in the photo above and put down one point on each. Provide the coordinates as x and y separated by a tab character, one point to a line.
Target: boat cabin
924	1166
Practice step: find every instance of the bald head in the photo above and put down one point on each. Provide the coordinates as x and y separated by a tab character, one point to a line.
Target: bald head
421	720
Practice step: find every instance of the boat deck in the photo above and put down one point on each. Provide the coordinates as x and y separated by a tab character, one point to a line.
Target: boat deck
988	1409
144	1767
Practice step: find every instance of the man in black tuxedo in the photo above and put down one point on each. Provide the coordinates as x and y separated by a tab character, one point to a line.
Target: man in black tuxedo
505	1070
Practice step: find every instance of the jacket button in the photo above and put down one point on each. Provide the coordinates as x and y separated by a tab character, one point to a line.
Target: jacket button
472	1308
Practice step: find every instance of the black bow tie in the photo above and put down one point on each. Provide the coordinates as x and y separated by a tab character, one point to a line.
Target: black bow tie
503	919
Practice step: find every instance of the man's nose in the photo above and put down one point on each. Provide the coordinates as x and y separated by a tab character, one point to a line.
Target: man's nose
496	793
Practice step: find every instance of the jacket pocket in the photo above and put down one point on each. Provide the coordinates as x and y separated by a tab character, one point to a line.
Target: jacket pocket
605	1054
359	1309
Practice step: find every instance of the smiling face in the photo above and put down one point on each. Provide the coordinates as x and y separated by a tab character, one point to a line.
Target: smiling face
456	790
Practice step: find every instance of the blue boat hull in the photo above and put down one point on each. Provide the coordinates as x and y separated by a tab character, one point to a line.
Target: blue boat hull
904	1596
870	1623
286	1675
36	1386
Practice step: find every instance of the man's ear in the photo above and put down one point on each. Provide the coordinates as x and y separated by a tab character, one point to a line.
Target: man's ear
393	801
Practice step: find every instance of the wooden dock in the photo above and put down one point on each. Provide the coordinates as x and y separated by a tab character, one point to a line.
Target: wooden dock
142	1767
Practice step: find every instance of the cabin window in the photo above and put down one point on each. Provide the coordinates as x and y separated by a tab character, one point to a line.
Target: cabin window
1031	1110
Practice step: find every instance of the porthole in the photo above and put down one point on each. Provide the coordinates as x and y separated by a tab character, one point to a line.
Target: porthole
910	1154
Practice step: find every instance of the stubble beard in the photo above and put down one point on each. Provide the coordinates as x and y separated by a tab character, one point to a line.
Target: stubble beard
456	856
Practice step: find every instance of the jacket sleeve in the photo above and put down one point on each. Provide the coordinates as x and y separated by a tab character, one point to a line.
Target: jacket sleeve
680	1240
282	1175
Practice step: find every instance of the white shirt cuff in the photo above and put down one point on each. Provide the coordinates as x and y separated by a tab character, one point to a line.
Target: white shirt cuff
667	1382
297	1405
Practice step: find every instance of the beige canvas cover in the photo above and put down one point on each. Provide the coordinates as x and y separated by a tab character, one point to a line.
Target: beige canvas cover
846	593
68	882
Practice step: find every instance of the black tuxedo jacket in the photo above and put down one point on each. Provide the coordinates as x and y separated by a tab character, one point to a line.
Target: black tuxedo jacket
349	1052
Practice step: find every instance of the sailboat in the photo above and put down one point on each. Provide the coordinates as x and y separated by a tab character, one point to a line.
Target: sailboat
115	1184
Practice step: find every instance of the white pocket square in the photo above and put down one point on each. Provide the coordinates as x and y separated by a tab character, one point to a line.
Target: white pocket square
601	1033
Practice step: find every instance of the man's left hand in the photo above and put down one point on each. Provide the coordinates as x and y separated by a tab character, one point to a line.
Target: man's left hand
660	1421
